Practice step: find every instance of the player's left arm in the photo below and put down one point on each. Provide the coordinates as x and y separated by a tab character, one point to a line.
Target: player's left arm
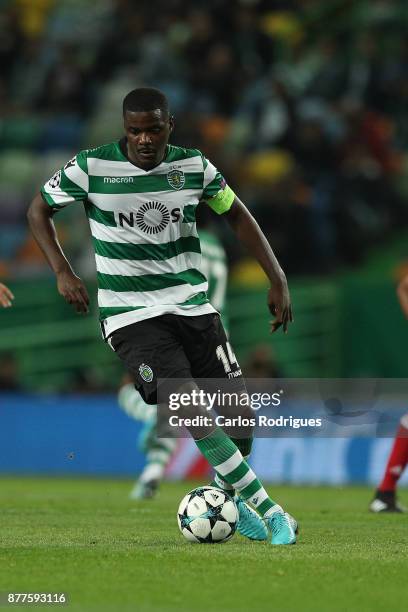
220	197
6	296
250	235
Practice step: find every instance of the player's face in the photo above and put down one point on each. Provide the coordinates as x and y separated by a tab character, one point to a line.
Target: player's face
147	136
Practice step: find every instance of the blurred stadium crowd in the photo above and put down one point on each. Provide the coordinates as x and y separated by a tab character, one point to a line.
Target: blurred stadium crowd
301	104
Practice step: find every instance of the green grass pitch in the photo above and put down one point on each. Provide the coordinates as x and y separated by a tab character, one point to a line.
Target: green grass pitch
85	538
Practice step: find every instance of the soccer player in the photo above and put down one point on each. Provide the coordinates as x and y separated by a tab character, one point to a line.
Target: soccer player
6	296
159	450
140	195
385	496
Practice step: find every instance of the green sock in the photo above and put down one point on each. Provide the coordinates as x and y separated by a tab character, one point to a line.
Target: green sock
220	483
244	445
221	452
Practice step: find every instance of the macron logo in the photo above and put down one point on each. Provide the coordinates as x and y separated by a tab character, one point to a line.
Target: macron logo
118	179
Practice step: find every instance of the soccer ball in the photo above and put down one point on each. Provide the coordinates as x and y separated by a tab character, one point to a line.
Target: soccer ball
207	515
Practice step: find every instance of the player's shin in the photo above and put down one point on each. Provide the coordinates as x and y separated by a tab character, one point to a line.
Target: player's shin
244	445
228	462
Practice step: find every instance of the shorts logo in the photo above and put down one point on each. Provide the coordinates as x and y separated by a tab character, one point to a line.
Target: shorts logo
152	217
146	372
176	179
55	180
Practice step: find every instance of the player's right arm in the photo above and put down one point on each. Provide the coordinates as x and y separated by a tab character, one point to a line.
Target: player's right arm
67	186
402	293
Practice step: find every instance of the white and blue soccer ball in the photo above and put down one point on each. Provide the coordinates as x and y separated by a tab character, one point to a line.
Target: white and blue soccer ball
207	515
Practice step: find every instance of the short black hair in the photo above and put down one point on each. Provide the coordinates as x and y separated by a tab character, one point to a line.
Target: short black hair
145	99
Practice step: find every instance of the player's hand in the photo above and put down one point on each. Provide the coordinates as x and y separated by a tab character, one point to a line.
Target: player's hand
402	293
280	306
73	290
6	296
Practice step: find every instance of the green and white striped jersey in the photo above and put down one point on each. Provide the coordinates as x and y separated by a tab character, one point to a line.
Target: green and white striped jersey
147	249
215	267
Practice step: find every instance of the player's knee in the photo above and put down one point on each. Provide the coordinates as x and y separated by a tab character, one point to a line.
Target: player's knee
190	400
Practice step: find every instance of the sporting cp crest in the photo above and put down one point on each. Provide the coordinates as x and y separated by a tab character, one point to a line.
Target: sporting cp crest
176	179
146	372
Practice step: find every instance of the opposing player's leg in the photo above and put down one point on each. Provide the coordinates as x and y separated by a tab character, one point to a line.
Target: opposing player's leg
385	496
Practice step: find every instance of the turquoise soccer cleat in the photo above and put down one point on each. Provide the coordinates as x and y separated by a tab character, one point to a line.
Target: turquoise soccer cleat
283	528
250	523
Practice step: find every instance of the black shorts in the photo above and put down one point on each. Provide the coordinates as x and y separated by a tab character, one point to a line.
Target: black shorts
174	347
